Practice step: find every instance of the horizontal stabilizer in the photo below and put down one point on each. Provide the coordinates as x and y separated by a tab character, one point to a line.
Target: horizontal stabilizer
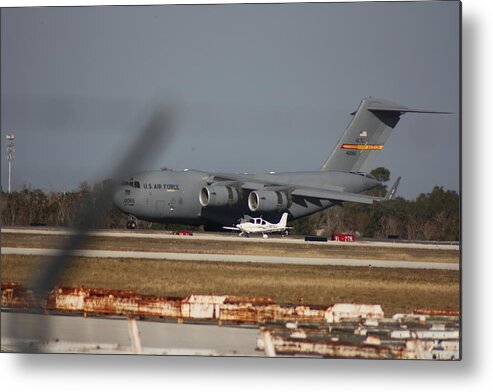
404	110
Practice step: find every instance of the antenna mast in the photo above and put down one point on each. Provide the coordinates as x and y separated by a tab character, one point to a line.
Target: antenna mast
10	155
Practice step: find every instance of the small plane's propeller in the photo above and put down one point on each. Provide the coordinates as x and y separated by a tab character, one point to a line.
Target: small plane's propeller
154	136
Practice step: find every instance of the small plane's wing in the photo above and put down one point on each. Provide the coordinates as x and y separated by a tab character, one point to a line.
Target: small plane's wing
231	228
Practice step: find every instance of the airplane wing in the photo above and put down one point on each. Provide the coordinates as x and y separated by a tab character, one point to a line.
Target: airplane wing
345	196
336	196
334	193
254	184
231	228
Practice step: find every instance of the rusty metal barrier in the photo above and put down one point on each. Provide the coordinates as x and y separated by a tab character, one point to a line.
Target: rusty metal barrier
434	312
15	296
334	349
222	308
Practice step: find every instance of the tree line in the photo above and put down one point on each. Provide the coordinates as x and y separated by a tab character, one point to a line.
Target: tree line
32	207
431	216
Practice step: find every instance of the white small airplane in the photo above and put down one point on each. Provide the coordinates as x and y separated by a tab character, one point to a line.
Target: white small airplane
259	225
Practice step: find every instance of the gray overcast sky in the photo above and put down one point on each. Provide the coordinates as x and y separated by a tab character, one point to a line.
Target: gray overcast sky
255	87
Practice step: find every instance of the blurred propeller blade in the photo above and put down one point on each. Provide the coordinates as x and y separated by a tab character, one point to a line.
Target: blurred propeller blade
151	139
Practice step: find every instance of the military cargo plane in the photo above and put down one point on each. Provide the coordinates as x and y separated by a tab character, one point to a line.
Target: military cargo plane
215	200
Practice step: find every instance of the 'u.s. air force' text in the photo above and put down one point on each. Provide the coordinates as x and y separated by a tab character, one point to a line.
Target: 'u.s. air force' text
167	187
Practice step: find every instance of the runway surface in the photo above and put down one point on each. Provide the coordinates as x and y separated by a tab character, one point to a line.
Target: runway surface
236	258
159	337
227	238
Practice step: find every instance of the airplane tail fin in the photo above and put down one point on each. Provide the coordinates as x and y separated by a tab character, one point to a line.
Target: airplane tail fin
366	134
284	220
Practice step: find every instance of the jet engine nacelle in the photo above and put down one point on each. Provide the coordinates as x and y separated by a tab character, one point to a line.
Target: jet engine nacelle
218	196
267	201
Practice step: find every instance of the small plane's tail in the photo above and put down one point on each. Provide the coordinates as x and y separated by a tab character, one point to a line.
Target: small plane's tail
366	134
284	220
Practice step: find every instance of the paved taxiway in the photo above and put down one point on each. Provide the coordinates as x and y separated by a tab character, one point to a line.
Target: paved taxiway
226	238
170	338
234	258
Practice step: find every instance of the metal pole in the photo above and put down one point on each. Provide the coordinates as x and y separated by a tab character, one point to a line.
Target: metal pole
10	156
269	348
134	336
10	173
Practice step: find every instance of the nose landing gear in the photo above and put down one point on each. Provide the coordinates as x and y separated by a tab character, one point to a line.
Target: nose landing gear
131	222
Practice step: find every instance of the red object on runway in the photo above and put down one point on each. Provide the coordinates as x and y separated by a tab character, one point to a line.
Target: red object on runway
343	237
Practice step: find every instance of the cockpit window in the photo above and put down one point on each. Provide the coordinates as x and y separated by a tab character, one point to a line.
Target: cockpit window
133	184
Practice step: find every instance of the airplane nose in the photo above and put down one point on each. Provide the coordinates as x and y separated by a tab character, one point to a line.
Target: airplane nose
118	197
